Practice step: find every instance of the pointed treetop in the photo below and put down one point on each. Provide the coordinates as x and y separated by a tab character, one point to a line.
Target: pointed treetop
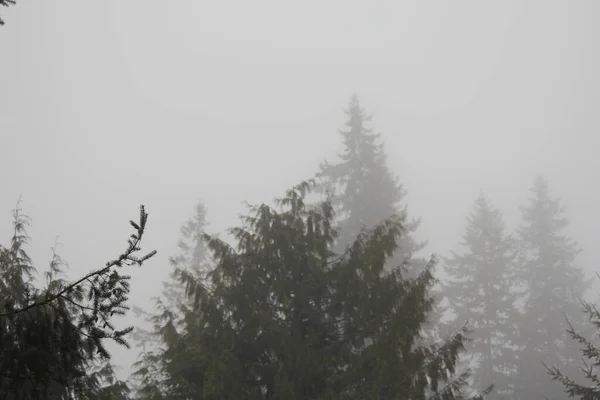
354	106
482	199
483	208
540	185
358	115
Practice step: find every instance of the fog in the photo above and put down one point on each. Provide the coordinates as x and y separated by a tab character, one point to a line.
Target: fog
108	105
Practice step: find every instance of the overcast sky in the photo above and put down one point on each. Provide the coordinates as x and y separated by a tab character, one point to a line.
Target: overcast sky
108	105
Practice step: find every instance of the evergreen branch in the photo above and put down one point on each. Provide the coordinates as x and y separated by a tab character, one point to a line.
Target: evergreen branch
6	3
126	258
455	340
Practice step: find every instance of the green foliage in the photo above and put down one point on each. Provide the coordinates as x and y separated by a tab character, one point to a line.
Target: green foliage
52	339
282	316
590	352
479	290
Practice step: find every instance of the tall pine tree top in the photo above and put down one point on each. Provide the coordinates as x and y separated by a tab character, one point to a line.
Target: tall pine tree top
551	255
367	192
550	268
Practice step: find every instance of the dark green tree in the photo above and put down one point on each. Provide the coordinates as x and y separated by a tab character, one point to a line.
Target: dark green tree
552	283
480	291
282	316
52	340
165	368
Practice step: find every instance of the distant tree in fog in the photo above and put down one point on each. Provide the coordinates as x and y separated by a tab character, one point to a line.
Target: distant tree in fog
552	283
480	290
366	191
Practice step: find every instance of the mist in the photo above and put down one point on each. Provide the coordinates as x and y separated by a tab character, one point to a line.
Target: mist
108	105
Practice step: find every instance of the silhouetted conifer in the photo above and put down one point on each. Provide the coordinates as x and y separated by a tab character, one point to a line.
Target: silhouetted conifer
480	291
52	340
366	192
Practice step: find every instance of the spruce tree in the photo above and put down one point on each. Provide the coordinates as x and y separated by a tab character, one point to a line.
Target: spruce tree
366	191
52	340
480	292
283	316
553	283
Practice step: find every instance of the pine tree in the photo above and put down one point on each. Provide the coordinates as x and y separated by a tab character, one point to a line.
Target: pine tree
52	340
553	283
285	317
479	290
165	369
367	192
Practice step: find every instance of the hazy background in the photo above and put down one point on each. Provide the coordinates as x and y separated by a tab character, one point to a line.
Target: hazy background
108	105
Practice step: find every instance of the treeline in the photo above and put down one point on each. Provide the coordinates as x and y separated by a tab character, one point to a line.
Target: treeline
326	294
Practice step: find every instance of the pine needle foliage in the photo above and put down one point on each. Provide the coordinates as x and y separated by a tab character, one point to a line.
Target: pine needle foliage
283	316
52	339
590	359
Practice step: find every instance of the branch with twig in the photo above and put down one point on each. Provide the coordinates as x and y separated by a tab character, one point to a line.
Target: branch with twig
68	320
127	258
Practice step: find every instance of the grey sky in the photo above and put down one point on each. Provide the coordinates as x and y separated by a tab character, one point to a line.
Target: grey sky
106	105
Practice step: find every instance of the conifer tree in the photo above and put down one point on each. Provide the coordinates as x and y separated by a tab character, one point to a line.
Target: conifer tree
479	290
553	283
366	191
285	317
165	369
52	340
